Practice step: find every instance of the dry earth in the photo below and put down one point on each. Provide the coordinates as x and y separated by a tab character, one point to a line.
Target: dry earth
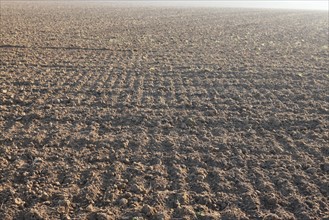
110	112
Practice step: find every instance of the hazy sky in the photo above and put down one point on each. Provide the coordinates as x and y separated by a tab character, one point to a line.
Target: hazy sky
306	4
319	5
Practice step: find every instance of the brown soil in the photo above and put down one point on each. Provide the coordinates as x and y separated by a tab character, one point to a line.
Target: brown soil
111	112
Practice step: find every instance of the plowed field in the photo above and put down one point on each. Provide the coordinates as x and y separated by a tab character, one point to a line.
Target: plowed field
112	112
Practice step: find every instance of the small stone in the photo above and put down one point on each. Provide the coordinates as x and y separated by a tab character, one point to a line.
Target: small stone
65	203
125	144
270	201
66	217
137	189
148	210
37	160
135	199
128	195
123	202
160	216
271	216
19	201
98	216
48	106
311	170
45	196
61	209
325	167
183	198
156	161
274	121
183	126
190	122
122	143
90	208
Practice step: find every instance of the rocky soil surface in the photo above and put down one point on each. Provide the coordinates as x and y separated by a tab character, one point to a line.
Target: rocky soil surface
111	112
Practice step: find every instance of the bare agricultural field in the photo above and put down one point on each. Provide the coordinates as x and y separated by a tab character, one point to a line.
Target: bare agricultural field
112	112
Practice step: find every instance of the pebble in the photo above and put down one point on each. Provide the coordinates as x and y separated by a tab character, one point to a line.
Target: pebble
37	160
160	216
90	208
311	170
147	210
271	216
156	161
190	122
123	202
19	201
137	189
128	195
99	216
325	167
45	196
183	126
65	202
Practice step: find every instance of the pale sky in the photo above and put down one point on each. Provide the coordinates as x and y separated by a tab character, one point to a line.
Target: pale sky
283	4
